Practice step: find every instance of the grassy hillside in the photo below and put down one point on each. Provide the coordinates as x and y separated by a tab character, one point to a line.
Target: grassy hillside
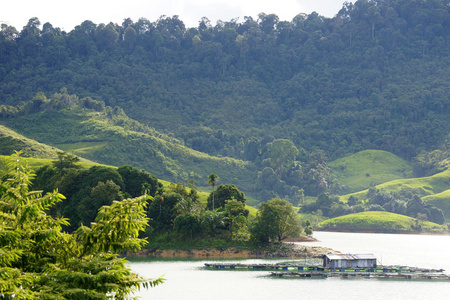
35	163
377	221
11	140
434	189
441	200
37	154
112	138
367	168
425	186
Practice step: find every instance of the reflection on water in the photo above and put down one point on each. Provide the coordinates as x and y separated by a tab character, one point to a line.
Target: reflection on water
188	279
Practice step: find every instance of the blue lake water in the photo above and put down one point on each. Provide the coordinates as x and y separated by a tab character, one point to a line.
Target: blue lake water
188	279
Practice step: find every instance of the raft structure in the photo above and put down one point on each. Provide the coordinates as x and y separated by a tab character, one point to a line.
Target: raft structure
334	266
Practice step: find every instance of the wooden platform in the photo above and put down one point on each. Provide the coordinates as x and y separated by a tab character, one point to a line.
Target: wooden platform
439	276
298	270
300	267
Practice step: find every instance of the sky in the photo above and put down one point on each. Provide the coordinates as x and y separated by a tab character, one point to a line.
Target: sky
68	14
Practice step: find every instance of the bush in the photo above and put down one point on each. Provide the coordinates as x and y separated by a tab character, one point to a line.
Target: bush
187	225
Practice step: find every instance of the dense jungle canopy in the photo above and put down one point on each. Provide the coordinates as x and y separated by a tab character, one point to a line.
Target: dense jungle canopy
375	76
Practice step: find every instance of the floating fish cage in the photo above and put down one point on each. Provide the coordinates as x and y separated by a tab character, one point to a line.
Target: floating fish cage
307	271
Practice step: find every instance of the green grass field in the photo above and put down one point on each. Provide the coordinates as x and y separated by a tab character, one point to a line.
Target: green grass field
433	189
367	168
82	148
379	221
36	163
11	141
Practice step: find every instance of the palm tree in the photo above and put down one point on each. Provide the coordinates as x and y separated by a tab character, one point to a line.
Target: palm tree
212	179
188	206
213	220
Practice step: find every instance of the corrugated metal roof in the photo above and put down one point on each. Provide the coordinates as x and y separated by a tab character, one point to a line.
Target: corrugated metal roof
365	256
350	256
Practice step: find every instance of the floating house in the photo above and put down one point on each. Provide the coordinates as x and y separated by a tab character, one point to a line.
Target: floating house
349	261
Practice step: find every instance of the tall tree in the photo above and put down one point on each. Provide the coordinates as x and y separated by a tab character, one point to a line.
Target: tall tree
275	220
130	37
102	194
282	154
223	193
66	161
236	214
212	179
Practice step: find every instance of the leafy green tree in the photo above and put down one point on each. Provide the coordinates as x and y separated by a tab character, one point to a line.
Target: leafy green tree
236	213
352	201
282	154
130	37
308	228
162	211
275	220
430	163
106	37
78	184
45	178
318	173
324	203
187	224
212	179
134	179
289	222
182	190
263	229
41	261
436	215
66	161
104	193
414	206
223	193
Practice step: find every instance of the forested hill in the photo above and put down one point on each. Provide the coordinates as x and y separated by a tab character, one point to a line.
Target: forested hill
373	77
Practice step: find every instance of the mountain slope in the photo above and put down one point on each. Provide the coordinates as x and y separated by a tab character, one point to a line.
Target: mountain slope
367	168
375	76
110	137
11	141
377	221
435	189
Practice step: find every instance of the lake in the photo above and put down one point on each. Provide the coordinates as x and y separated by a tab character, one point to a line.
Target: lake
188	279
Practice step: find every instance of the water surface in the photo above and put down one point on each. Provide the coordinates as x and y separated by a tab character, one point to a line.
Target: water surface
188	279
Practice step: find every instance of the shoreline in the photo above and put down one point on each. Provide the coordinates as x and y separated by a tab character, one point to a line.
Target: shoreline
286	249
386	232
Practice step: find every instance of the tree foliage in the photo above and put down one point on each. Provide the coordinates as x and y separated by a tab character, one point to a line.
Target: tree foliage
356	81
86	190
223	193
41	261
137	182
212	179
275	221
187	224
237	218
359	80
404	202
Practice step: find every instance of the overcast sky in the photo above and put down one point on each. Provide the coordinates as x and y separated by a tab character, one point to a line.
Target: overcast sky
67	14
